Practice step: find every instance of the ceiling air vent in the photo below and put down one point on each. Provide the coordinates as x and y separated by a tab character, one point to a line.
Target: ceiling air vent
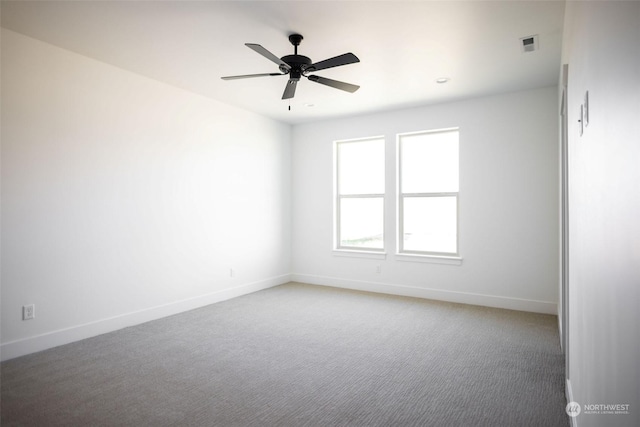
529	44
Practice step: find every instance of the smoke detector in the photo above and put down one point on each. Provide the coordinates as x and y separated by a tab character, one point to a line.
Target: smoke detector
529	44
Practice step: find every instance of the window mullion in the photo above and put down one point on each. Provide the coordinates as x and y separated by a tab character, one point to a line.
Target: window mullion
400	221
447	194
360	196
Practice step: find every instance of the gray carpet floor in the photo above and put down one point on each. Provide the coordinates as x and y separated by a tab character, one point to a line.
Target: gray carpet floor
301	355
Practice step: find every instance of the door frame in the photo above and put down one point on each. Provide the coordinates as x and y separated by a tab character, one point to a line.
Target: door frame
564	305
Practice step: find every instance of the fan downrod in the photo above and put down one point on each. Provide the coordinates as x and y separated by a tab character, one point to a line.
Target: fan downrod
298	63
295	40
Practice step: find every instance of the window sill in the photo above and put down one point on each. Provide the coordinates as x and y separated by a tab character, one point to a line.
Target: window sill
359	254
432	259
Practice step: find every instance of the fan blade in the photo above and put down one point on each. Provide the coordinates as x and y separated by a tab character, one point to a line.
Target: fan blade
290	89
347	58
247	76
270	56
334	83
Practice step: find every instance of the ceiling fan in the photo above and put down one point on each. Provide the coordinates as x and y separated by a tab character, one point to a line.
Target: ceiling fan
297	66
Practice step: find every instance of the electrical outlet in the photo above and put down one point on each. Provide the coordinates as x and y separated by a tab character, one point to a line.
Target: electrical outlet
378	269
28	312
232	272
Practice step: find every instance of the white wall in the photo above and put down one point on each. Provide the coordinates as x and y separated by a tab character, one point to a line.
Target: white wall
508	203
125	199
601	47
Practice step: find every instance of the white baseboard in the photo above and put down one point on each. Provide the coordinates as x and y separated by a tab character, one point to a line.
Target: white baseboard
568	392
435	294
52	339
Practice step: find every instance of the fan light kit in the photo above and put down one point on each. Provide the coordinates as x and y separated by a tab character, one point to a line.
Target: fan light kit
297	66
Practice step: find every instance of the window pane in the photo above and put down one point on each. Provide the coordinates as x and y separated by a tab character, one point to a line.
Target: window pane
429	162
361	167
362	222
430	224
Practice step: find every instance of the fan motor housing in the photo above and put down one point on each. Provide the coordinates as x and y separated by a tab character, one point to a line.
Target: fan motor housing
298	64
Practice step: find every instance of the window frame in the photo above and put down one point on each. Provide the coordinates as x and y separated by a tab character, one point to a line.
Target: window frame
414	255
337	200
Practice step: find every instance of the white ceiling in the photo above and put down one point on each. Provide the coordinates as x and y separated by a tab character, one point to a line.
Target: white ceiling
403	47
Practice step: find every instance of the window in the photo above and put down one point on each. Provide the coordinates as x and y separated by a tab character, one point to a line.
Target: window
359	201
428	193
